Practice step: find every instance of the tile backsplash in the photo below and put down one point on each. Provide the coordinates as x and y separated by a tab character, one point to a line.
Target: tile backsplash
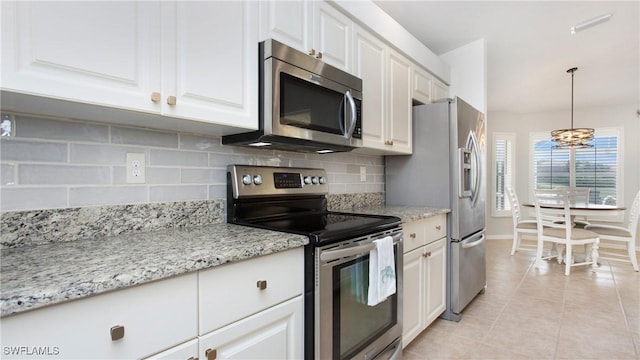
54	163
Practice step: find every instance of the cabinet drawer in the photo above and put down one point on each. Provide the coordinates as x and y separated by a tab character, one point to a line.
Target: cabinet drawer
155	316
414	235
234	287
435	227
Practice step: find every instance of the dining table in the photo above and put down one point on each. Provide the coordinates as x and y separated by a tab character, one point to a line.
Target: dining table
584	210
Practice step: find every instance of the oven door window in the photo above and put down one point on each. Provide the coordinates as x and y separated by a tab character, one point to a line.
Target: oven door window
355	323
310	106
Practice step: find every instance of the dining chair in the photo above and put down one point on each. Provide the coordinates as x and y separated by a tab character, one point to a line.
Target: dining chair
579	196
520	226
627	235
552	206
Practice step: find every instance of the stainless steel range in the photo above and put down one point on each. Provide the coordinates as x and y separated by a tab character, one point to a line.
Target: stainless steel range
338	322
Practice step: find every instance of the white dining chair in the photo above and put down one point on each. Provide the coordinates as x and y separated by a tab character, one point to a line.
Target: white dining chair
626	235
577	196
521	227
552	206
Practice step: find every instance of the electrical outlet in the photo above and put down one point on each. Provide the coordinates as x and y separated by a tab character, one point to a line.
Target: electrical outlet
363	173
135	168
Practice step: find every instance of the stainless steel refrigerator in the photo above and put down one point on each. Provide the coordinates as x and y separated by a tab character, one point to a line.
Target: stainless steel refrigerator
448	169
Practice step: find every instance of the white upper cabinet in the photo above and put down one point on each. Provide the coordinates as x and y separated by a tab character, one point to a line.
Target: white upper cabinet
313	27
399	97
289	22
191	60
210	55
439	90
370	58
105	53
422	85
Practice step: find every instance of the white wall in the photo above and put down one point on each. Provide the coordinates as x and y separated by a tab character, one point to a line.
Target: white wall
522	125
469	73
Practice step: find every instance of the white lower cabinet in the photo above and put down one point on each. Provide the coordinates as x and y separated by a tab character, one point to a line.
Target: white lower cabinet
275	333
126	324
424	275
249	309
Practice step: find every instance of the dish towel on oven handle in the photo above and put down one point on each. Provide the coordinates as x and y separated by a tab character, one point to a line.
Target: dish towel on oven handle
382	271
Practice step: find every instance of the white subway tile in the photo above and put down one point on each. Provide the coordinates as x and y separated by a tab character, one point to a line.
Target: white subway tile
108	195
173	157
202	176
101	154
217	192
49	129
22	150
7	174
203	143
13	199
177	193
63	174
162	175
135	136
355	188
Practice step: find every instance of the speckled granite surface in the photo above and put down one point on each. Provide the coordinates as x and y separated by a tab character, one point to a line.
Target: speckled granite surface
36	276
354	201
406	213
37	227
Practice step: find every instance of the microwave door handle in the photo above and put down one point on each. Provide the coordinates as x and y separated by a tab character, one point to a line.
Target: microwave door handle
352	125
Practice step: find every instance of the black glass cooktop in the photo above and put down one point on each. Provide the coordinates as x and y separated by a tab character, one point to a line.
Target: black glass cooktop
327	226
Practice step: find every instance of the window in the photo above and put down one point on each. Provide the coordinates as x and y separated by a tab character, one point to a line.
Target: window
596	167
503	172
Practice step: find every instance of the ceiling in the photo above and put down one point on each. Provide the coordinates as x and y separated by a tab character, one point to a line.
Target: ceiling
529	48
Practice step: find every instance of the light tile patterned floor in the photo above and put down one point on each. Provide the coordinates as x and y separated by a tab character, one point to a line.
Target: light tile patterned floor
538	313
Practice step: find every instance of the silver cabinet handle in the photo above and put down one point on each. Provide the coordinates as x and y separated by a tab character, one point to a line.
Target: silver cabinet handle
261	284
117	332
211	354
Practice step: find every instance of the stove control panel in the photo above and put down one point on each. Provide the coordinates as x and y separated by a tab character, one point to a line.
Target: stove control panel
249	181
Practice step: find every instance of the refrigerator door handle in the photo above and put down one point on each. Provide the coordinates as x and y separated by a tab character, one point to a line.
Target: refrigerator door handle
475	243
475	148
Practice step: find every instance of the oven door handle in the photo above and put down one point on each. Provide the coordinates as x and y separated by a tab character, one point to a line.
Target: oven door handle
354	250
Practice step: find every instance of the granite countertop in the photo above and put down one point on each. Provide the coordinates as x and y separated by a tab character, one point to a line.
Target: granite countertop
406	213
36	276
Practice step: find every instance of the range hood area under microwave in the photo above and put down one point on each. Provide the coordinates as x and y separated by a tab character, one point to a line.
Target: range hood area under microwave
305	105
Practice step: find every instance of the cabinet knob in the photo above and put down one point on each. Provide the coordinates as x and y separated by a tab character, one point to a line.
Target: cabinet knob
437	227
171	100
312	52
155	97
192	358
117	332
388	142
319	56
412	235
427	254
261	284
211	354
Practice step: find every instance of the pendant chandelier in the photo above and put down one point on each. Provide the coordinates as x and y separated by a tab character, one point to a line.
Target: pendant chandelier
573	137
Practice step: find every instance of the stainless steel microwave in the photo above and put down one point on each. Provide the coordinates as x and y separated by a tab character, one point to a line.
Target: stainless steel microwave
305	104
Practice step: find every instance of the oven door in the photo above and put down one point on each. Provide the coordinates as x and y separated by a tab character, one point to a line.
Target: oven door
310	107
345	326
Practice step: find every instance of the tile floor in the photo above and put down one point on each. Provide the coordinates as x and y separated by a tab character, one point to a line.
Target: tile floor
538	313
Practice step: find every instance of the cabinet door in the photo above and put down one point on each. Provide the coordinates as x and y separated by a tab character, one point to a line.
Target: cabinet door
188	350
289	22
421	85
412	295
370	57
210	61
399	85
275	333
332	35
435	266
104	53
153	317
439	90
